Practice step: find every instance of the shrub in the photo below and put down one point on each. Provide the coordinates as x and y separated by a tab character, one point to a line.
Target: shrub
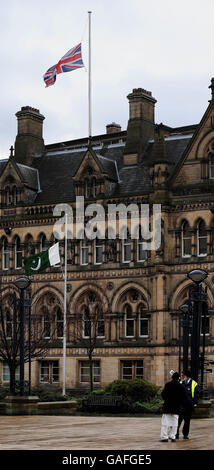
153	406
4	391
99	392
46	394
133	390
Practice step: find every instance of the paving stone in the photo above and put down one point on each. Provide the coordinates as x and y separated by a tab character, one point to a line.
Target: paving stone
88	432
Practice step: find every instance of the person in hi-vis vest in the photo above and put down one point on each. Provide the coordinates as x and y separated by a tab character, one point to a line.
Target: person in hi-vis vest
192	392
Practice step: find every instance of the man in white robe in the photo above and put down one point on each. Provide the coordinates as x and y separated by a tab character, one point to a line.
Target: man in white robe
174	396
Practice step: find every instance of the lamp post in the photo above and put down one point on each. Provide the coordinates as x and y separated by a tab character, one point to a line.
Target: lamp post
22	283
205	311
197	297
13	379
179	346
29	343
186	311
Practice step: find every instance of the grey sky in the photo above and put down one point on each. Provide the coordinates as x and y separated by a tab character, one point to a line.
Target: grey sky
163	46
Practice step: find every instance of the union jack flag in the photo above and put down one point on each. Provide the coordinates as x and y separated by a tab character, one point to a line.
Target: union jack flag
70	61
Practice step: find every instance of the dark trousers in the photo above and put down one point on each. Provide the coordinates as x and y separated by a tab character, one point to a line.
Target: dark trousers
186	417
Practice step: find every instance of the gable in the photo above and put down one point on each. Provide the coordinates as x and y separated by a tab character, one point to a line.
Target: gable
89	165
193	166
10	174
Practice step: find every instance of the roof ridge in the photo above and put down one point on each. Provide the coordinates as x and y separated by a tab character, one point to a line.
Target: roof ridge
26	166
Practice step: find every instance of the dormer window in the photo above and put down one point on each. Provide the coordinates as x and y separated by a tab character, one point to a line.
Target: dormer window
10	195
7	195
90	187
94	187
14	195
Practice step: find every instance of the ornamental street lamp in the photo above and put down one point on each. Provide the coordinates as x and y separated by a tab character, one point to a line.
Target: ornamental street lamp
22	283
186	311
198	297
197	275
13	375
204	311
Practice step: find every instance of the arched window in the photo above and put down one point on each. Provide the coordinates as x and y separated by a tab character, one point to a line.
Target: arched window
5	255
126	249
43	243
201	239
46	324
186	240
86	321
84	252
9	324
29	246
141	253
50	310
98	251
211	165
143	321
59	323
99	318
129	321
210	154
18	253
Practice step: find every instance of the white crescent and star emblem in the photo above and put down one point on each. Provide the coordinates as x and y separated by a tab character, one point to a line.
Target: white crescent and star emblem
38	265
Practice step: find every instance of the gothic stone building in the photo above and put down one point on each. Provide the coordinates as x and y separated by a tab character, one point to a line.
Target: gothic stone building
140	291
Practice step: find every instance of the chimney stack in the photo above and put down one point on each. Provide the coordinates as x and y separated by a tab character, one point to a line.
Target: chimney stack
140	125
29	139
113	128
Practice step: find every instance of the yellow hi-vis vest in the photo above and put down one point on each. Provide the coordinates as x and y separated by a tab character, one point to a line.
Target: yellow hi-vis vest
194	385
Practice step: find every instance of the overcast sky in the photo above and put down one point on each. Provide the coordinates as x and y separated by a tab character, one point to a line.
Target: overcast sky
163	46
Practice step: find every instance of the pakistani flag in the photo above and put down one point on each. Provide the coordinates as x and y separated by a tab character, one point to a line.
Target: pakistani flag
37	263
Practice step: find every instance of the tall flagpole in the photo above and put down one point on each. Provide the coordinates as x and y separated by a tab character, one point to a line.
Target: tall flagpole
89	77
65	306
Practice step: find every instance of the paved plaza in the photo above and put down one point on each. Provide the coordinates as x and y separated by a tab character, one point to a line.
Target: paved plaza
95	433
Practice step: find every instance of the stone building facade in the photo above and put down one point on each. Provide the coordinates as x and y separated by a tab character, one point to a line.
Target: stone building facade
140	290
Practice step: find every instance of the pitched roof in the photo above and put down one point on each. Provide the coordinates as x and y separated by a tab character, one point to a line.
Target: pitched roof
110	167
53	172
133	180
56	169
175	146
2	165
56	172
30	176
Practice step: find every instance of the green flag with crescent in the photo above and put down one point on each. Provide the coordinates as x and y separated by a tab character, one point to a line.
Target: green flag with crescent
40	262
